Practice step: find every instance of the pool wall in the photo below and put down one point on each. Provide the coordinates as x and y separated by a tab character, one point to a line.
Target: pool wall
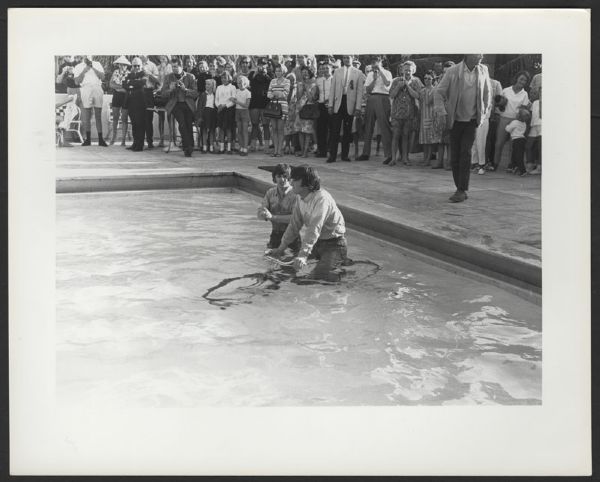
508	270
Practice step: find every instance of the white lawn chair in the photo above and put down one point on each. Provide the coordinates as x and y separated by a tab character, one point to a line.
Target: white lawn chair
70	123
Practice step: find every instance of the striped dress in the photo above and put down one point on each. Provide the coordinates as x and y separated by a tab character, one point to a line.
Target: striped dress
281	85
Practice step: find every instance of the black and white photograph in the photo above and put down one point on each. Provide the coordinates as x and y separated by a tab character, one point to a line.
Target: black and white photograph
348	231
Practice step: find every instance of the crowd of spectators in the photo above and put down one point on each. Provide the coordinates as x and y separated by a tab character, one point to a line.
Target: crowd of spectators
300	105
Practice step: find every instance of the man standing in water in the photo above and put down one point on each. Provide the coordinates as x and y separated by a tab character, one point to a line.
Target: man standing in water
324	237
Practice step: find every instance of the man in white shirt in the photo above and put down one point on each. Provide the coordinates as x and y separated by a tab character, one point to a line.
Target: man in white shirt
88	75
152	82
377	86
324	236
324	87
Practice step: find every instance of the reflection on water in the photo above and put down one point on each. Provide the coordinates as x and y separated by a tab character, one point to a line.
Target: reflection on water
143	279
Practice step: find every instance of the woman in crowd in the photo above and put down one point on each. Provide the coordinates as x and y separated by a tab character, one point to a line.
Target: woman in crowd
439	126
279	90
242	115
164	69
289	128
119	111
225	112
516	97
428	136
307	93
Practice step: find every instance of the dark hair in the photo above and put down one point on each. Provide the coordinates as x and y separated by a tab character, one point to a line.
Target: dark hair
311	74
431	74
283	170
519	73
176	61
308	175
449	63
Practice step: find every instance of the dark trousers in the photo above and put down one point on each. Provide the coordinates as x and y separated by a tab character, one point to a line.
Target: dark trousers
337	120
137	113
149	115
518	153
185	119
331	254
322	129
462	136
490	143
533	149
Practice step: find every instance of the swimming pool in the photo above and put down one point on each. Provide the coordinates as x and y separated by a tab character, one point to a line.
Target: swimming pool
135	327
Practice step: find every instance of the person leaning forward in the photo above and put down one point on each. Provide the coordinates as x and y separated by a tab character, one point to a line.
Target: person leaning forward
324	238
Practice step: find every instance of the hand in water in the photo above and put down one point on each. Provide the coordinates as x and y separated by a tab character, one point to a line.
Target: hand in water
299	263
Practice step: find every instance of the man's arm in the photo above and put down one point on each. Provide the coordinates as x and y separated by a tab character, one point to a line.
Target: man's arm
360	92
313	225
331	99
293	229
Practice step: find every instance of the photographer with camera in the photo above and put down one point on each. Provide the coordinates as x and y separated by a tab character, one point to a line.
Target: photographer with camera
377	86
181	89
88	74
404	92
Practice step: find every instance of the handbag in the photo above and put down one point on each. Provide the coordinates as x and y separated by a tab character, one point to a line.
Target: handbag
309	112
273	110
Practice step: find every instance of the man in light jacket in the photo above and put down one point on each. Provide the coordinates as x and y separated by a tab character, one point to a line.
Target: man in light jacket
464	95
345	98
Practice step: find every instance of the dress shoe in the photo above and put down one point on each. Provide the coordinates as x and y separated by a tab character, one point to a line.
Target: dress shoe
130	148
188	153
137	149
346	159
102	143
330	160
87	142
362	157
458	197
150	145
387	160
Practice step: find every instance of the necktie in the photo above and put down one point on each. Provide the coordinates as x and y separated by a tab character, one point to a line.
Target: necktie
345	80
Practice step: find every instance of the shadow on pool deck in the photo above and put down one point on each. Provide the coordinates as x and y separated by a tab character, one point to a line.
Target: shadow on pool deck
502	216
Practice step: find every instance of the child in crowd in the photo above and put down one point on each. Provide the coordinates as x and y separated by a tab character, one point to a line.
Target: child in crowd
242	115
206	115
533	147
225	111
517	129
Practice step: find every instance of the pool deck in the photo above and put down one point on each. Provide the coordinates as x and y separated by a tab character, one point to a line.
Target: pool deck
501	217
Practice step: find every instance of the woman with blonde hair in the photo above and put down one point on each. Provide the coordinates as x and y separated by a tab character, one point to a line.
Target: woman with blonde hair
242	115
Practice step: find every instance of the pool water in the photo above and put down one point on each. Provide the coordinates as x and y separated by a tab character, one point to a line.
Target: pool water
164	299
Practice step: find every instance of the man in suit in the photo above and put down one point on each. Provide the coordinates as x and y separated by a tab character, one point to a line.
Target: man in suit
464	95
181	89
377	86
345	98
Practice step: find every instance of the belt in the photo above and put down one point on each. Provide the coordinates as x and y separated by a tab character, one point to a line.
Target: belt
379	93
